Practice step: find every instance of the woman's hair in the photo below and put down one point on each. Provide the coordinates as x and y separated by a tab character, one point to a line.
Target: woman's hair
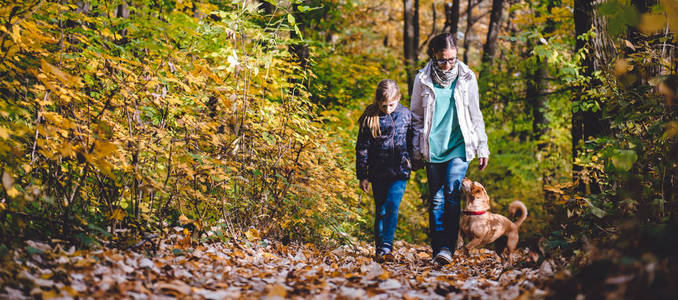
441	42
387	90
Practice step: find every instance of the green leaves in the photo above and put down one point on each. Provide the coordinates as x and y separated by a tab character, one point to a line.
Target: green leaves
622	160
293	23
620	15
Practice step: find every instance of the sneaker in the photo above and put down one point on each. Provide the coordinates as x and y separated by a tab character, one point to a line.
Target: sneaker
443	257
379	255
387	255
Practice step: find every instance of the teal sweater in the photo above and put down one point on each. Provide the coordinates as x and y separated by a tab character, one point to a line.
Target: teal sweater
445	140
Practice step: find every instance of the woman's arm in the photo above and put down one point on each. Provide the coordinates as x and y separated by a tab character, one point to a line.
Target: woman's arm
478	124
417	109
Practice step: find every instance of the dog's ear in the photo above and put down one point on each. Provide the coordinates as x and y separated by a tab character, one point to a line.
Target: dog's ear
477	187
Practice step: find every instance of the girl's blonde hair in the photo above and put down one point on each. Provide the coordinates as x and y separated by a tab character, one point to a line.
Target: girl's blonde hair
387	90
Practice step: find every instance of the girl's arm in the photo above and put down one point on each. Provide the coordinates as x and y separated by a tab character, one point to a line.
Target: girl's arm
361	148
477	119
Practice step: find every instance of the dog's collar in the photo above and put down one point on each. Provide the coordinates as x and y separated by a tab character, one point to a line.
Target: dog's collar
474	213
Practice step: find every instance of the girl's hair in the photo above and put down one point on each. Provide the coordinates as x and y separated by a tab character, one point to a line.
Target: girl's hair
441	42
387	90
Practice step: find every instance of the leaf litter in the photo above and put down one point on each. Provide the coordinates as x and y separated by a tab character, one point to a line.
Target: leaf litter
266	270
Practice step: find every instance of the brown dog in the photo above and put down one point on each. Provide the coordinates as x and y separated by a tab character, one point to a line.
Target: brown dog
484	227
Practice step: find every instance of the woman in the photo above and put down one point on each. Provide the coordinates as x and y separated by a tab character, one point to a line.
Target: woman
448	133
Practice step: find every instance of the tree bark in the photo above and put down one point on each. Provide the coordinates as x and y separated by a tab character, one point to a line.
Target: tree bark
490	47
536	99
589	123
122	12
467	32
411	39
537	84
452	17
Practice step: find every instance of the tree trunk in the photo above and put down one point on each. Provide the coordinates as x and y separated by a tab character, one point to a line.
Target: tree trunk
537	84
122	12
467	32
267	7
452	17
490	47
411	39
536	99
585	124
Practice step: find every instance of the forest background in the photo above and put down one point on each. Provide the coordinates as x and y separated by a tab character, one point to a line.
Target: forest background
122	119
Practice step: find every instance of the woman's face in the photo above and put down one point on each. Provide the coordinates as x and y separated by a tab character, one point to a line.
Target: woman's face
387	106
446	58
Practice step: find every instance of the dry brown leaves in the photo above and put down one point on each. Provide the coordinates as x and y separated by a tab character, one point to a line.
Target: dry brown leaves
261	270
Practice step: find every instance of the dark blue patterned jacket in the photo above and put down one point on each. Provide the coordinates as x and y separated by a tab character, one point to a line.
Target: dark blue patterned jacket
386	157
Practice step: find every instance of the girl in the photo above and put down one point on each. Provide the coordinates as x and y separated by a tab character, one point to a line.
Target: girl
383	159
448	133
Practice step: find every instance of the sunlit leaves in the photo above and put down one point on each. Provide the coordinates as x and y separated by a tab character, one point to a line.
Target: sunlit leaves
173	117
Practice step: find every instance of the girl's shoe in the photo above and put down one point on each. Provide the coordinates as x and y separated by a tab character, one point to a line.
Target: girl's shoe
386	254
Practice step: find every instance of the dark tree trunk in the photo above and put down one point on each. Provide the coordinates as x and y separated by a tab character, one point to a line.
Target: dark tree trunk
536	99
467	32
490	47
267	7
411	39
585	124
122	12
452	17
537	84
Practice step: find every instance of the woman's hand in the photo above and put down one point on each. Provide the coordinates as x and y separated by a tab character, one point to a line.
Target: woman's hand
365	185
482	163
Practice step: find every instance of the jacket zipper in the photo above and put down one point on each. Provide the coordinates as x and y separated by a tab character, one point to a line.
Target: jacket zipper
393	128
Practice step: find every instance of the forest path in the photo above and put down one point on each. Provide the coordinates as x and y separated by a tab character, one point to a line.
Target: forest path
181	269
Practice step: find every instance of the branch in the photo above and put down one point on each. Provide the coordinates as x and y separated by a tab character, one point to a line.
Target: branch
433	28
472	7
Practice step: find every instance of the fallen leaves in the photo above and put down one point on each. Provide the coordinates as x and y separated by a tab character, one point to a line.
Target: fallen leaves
265	270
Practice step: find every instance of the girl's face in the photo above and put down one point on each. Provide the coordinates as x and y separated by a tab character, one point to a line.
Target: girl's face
387	106
446	58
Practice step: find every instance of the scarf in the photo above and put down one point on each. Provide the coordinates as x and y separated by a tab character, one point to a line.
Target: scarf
443	78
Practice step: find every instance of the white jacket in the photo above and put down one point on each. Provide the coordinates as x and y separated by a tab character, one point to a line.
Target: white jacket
470	118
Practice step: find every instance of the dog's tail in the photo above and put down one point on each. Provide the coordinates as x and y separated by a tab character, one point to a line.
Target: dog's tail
515	205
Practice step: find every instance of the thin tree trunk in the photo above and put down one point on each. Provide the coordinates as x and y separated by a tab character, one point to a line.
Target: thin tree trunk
537	84
411	39
467	32
490	47
122	12
452	17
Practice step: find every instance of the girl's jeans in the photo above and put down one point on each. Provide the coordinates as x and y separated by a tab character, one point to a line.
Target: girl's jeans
444	183
387	196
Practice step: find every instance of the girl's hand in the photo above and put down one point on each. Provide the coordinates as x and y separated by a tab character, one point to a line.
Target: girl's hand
482	163
417	164
365	185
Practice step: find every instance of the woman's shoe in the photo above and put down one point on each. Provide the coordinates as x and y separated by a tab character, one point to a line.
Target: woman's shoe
443	257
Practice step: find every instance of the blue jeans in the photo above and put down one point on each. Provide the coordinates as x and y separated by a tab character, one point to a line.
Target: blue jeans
444	183
387	196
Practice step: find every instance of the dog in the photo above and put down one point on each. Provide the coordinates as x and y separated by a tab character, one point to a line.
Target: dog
483	227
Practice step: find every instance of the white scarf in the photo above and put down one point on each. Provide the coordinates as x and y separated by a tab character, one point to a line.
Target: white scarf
443	78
